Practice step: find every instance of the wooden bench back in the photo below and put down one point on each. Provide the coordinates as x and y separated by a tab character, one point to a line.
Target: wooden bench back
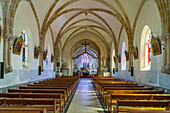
37	87
153	104
38	90
122	85
161	96
132	96
146	111
22	110
127	88
144	103
109	92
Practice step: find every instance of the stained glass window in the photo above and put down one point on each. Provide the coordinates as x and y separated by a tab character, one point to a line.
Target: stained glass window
148	51
47	61
25	49
123	58
85	60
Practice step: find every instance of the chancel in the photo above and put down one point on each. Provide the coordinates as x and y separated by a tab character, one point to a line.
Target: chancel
84	56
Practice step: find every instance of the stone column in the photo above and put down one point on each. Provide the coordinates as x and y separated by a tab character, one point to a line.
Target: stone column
168	54
61	61
10	39
164	54
99	68
71	69
116	67
6	54
41	53
130	51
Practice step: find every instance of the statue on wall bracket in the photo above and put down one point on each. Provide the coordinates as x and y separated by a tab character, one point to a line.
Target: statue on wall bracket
18	45
36	52
45	55
127	55
52	58
104	62
135	52
119	58
155	45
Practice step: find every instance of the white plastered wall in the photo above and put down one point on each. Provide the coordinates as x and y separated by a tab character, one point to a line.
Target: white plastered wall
25	20
149	16
49	45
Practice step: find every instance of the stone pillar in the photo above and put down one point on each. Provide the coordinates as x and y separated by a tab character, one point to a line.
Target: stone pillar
71	67
41	53
168	54
116	67
10	39
108	62
164	54
61	61
130	51
99	68
6	54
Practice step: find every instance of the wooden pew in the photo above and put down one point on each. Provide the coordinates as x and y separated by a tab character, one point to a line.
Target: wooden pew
103	92
108	94
48	87
62	91
161	96
102	87
71	86
49	104
123	105
114	97
56	96
146	111
22	110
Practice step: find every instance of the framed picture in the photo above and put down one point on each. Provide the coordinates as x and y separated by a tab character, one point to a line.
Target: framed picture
135	52
18	45
45	55
156	50
36	52
52	58
119	58
127	55
1	33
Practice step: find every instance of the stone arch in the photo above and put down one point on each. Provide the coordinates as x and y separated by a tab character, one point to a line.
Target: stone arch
98	50
100	35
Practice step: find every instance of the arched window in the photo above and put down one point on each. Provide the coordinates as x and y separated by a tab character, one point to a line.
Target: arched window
148	49
123	58
145	49
85	60
25	49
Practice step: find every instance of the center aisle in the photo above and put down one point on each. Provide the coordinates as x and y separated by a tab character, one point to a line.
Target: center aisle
85	99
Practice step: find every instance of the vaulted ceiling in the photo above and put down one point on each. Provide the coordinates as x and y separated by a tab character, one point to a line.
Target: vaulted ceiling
104	18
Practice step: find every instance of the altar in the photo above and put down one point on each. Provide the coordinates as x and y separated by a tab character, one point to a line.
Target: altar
85	71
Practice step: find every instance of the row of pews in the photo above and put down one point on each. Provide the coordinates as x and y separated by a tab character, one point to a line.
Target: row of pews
128	97
49	95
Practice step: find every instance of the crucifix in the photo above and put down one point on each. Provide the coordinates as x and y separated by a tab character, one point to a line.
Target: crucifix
85	44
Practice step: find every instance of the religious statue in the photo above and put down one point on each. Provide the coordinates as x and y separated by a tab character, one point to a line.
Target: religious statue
104	61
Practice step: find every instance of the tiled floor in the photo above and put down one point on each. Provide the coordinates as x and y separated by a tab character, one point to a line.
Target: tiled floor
85	99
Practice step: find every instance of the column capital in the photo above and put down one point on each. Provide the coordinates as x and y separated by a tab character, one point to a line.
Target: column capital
10	36
165	36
